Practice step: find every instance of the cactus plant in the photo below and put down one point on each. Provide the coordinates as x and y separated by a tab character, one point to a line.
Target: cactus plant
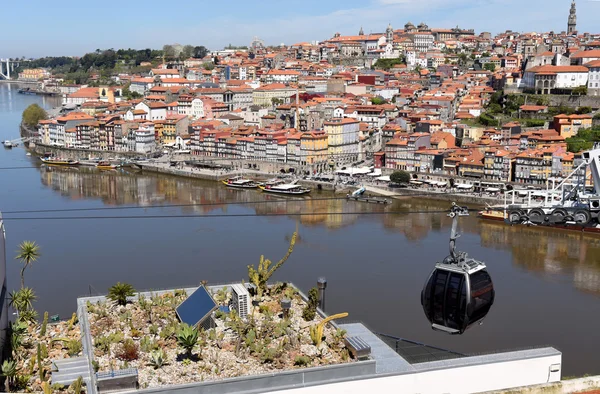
72	321
261	275
316	331
77	385
44	324
39	363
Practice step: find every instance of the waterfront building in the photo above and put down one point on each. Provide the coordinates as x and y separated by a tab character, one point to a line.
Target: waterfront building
145	138
33	74
343	140
314	150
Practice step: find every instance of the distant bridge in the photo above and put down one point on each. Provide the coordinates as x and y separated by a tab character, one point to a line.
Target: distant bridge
9	65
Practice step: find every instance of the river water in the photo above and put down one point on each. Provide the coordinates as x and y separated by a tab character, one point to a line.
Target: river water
547	282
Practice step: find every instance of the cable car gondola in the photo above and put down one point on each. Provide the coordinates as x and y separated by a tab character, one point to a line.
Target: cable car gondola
459	291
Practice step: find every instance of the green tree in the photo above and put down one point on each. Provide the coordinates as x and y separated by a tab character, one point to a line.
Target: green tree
169	51
584	110
490	67
580	90
208	66
187	52
400	177
119	293
28	252
187	337
276	101
378	101
200	52
33	114
577	145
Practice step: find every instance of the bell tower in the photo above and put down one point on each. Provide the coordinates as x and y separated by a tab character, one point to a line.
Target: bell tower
389	34
572	23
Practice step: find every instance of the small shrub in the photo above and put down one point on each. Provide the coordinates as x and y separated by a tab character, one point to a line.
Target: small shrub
186	362
148	345
308	313
135	333
74	347
129	351
153	329
219	314
95	365
301	361
21	382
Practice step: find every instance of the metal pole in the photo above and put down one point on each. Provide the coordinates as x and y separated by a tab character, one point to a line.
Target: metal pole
321	286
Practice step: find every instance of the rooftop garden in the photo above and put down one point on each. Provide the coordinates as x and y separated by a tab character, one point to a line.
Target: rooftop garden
140	331
32	346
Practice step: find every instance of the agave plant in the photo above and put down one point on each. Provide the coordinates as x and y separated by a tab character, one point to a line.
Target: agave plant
9	371
17	330
187	337
28	252
119	293
158	358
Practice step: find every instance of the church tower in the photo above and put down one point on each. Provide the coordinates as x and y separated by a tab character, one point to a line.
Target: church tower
572	24
361	32
389	34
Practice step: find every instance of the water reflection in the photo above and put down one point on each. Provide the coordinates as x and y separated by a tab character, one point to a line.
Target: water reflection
571	255
549	251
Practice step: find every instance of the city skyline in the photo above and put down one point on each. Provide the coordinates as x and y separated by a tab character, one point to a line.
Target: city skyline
207	25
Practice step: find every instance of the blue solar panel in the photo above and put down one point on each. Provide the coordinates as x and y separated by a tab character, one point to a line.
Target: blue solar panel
197	307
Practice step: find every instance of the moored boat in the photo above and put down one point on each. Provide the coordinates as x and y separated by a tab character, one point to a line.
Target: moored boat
105	165
491	214
240	183
56	161
289	189
8	144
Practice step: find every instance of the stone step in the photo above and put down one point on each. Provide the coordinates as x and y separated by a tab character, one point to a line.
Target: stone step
68	378
66	371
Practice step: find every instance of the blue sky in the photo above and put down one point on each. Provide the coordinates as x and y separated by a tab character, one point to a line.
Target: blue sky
74	27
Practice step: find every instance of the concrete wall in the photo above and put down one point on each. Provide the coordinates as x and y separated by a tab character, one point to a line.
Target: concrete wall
563	387
467	379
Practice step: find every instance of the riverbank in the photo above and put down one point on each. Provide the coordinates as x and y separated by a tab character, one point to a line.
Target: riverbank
165	167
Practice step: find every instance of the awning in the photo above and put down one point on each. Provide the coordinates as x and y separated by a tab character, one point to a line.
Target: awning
442	184
416	182
464	186
492	190
384	178
376	172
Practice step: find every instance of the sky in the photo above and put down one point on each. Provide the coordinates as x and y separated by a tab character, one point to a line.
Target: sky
36	28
